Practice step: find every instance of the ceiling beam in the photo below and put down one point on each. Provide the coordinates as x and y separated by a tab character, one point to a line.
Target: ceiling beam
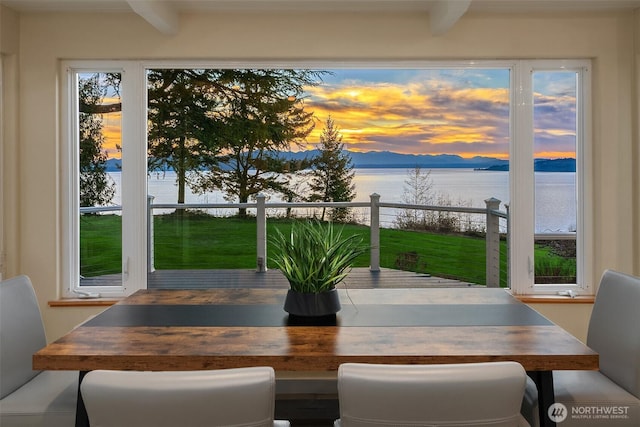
157	13
444	14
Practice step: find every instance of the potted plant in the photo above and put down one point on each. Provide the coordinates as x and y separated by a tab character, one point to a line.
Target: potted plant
314	258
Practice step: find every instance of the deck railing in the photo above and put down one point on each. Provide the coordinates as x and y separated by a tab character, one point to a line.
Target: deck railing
261	206
493	226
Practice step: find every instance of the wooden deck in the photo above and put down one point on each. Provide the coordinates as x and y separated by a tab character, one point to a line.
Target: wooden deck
248	278
358	278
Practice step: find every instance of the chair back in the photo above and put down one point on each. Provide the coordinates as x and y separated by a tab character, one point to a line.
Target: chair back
21	333
487	394
614	329
228	397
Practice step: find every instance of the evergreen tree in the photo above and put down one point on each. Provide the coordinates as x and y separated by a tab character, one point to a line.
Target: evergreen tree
223	129
95	186
260	114
182	129
332	172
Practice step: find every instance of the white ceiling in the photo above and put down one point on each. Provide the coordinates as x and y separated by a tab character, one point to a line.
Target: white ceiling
163	15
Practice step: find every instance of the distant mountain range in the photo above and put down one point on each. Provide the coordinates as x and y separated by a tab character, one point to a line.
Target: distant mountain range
388	159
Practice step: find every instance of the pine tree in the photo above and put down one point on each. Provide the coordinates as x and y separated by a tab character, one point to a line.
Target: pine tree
181	127
332	172
261	114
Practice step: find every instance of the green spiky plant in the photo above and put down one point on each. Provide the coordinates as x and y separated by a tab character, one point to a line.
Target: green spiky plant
315	257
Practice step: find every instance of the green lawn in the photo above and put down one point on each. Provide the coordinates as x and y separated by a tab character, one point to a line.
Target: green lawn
200	241
100	244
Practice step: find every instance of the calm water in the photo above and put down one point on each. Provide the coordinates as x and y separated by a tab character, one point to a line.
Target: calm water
555	191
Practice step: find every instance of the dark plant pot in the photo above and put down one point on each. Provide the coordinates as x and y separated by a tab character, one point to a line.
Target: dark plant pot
312	304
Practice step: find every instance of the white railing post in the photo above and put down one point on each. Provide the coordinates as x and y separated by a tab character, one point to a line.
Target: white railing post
375	232
150	243
506	207
493	244
261	225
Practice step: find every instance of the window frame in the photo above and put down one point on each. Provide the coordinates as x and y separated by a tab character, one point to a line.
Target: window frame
522	204
134	153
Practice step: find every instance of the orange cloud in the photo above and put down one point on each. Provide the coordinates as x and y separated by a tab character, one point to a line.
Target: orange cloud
428	116
412	118
112	132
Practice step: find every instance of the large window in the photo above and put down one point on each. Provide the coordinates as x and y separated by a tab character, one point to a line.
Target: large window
138	133
99	130
551	110
105	172
555	113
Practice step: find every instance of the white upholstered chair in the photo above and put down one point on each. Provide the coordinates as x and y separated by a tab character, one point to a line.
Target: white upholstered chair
614	332
226	397
27	397
486	394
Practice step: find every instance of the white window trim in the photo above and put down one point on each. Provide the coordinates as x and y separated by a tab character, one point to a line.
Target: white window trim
134	153
521	205
522	209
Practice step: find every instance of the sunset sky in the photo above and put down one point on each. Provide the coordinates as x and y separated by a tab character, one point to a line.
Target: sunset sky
455	111
429	111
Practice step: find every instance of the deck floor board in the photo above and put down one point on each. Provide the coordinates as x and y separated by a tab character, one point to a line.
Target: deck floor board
236	278
358	278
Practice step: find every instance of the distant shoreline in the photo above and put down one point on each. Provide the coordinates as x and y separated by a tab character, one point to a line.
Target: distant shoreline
391	160
541	165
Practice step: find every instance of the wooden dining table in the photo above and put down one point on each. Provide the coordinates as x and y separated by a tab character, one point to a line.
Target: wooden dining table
197	329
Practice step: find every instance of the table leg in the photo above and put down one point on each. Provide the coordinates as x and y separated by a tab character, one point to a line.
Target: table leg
546	395
82	419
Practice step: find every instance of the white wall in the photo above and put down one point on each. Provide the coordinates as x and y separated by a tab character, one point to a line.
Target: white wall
9	33
573	317
47	38
636	120
9	46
